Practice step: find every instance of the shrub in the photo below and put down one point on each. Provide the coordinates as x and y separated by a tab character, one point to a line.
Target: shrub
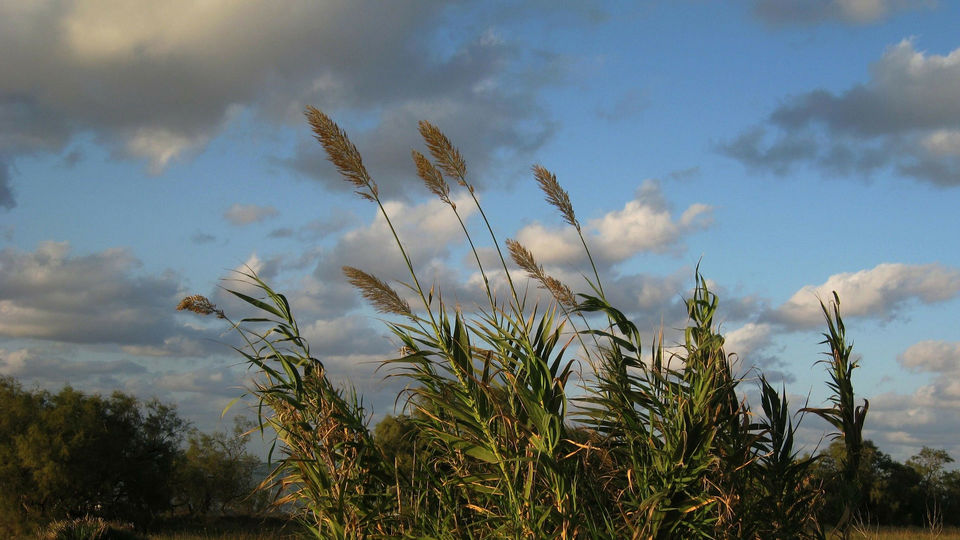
89	528
68	454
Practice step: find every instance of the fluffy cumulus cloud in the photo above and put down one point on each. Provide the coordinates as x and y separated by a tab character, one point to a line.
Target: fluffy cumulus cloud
906	118
157	81
429	231
932	356
930	415
644	224
51	295
879	292
784	12
755	346
245	214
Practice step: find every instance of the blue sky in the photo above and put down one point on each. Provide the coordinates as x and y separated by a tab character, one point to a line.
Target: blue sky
791	147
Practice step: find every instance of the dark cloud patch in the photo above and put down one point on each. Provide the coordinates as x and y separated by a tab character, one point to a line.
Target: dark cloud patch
245	214
487	129
48	294
905	119
808	12
201	238
149	87
627	106
752	149
6	193
904	423
317	229
682	175
282	232
40	366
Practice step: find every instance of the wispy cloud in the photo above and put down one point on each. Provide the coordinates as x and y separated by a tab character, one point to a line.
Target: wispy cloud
245	214
802	12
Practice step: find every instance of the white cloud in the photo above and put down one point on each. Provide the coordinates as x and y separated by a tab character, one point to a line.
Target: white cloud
427	230
245	214
351	334
552	245
935	356
878	292
748	339
943	142
644	224
160	146
755	347
213	381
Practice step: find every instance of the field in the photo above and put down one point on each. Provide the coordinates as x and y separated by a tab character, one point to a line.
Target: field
228	528
277	530
903	533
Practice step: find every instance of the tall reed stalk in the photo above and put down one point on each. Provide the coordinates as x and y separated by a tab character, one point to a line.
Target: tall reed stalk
845	415
657	444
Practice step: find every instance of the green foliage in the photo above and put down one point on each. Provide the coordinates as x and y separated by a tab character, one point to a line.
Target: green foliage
929	464
845	416
329	468
657	444
78	459
89	528
216	472
68	455
396	437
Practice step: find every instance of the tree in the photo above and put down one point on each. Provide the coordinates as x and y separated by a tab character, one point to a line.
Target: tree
929	465
217	474
395	435
69	454
20	409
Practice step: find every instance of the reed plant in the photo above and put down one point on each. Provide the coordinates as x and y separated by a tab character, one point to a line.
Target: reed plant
654	443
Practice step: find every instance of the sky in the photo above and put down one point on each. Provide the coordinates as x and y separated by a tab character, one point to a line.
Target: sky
791	148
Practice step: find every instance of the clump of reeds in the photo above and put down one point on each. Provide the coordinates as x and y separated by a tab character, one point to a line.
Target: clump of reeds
657	445
89	528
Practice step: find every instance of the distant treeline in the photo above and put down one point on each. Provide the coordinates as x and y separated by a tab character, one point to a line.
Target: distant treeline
68	454
920	492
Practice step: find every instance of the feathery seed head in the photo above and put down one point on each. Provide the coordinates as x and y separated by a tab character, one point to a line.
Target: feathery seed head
556	195
200	304
383	298
341	152
561	292
525	260
448	158
432	178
